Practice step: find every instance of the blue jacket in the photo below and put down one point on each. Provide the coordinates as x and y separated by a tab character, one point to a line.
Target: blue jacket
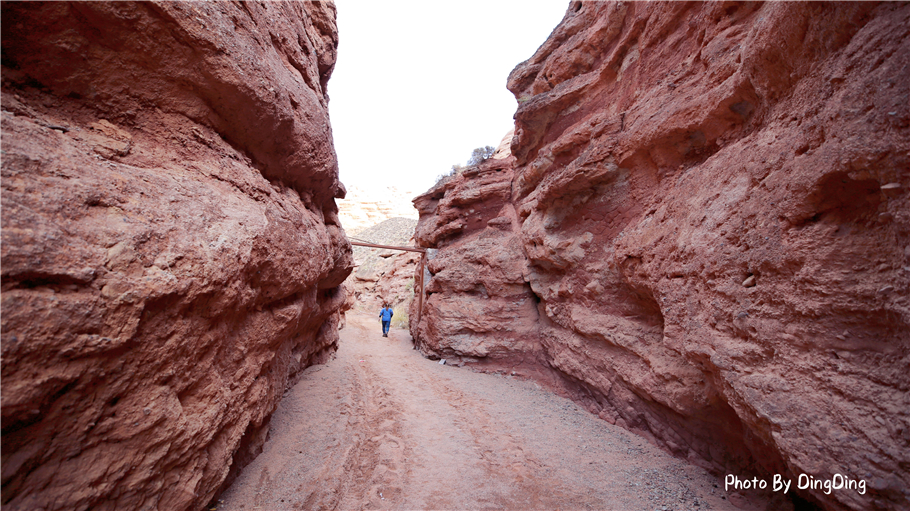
386	314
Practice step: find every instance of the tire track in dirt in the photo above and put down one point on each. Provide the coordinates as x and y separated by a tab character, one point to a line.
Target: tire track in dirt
369	472
382	427
501	453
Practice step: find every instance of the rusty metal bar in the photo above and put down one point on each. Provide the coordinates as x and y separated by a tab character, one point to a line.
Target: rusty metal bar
390	247
423	258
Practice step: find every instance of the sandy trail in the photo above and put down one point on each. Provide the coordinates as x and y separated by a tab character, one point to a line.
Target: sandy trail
382	427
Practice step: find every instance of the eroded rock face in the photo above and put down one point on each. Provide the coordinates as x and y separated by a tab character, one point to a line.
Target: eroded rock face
712	207
384	275
171	249
478	306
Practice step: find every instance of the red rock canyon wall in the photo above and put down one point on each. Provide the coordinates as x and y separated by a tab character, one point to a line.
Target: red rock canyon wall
480	308
171	253
710	203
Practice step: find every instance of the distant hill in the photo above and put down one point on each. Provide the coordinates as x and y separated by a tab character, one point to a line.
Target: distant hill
381	274
362	209
394	231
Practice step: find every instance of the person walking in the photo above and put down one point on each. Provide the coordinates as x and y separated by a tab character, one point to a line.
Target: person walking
385	315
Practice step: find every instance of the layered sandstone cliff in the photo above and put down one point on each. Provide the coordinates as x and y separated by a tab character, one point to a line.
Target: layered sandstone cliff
384	275
479	307
171	255
362	209
710	209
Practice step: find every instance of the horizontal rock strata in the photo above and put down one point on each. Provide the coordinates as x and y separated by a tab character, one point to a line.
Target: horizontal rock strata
479	308
171	250
362	209
384	275
710	204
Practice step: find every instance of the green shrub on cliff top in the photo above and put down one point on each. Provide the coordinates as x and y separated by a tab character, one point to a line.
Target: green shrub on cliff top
480	154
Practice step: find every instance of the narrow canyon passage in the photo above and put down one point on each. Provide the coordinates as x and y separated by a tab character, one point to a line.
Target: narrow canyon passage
382	427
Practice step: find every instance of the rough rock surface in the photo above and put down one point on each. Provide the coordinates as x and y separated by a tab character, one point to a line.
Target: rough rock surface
384	275
479	305
711	206
398	286
172	256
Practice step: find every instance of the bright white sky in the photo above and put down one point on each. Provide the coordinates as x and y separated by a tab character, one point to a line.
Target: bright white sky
419	84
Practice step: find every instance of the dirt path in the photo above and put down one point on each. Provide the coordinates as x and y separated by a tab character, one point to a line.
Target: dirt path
382	427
